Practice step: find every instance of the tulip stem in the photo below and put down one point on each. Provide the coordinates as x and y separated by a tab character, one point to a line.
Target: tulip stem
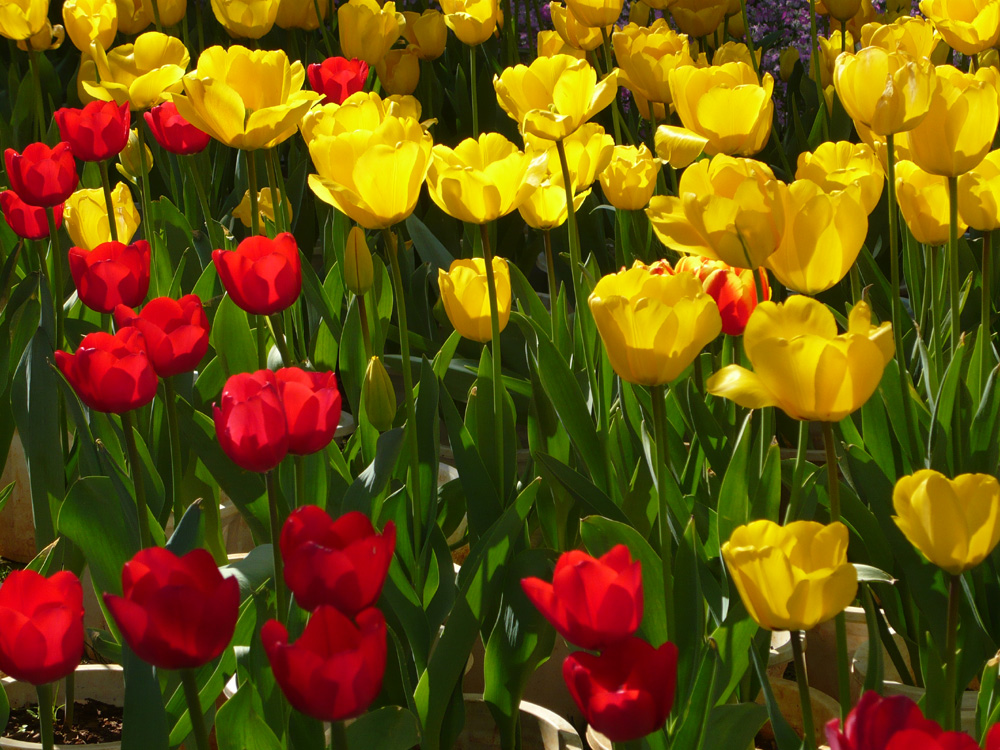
45	717
199	188
147	198
175	448
300	481
574	235
280	592
805	700
36	74
338	735
322	27
953	274
156	16
145	536
498	390
610	64
749	38
475	93
252	190
191	694
278	197
800	466
261	342
57	276
951	656
106	182
70	700
987	295
280	341
658	396
814	65
366	334
831	471
550	268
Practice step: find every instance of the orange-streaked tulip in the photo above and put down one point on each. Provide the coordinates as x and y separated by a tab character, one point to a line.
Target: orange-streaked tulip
646	55
472	21
427	32
573	32
466	298
888	92
368	30
842	165
89	21
970	26
978	192
923	200
143	74
733	289
629	180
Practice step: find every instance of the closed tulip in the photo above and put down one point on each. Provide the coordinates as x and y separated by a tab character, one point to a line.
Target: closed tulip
341	563
49	38
378	395
588	153
726	105
841	165
263	276
472	21
647	55
248	99
698	17
22	19
550	43
591	602
132	16
175	331
426	32
625	692
802	366
265	208
334	670
111	374
173	132
786	63
175	612
87	216
888	92
297	14
130	163
923	201
359	272
88	21
842	10
311	402
111	274
729	209
596	14
875	720
97	132
629	180
970	26
466	300
28	222
829	50
250	421
545	206
572	31
733	289
955	523
367	30
41	625
399	71
652	325
245	20
915	36
791	577
336	78
171	11
42	176
678	147
143	73
977	194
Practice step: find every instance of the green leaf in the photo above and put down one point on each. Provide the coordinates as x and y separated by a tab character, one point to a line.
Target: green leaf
373	480
239	727
734	494
186	535
144	721
736	725
251	571
430	248
232	339
868	574
389	728
580	487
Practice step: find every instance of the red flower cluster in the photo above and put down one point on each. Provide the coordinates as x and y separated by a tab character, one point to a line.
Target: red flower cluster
337	78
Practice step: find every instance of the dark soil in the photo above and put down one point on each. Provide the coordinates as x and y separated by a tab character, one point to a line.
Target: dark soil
93	722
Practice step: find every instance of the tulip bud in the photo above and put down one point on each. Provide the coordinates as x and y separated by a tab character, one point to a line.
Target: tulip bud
379	395
639	14
129	165
786	63
358	271
989	58
49	38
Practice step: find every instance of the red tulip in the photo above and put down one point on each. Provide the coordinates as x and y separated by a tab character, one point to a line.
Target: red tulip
626	692
914	739
175	612
337	78
110	373
262	276
176	332
312	408
42	176
96	132
733	289
173	132
41	625
342	563
250	421
111	274
592	603
334	670
993	738
28	222
874	720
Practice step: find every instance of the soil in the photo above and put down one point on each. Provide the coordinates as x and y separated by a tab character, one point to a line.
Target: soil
93	722
763	743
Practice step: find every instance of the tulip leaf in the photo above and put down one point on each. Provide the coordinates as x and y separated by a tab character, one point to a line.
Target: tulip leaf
389	728
580	487
240	727
373	480
232	338
736	725
430	248
734	494
4	706
869	574
186	535
144	720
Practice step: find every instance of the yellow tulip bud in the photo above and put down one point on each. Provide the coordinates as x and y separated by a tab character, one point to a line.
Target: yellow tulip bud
550	43
575	33
128	164
786	63
955	523
735	26
596	14
379	395
842	165
399	71
245	19
89	21
142	74
629	180
466	300
132	16
888	92
367	30
301	14
791	577
472	21
49	38
359	273
923	201
977	194
802	366
23	19
917	37
265	208
86	216
970	26
171	11
698	17
647	56
638	13
679	147
427	32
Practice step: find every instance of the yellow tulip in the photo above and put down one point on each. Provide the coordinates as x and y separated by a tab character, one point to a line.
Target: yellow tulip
698	17
367	30
960	124
842	165
171	11
142	74
923	200
786	63
791	577
729	209
802	366
466	299
132	16
653	324
427	32
977	194
554	96
399	71
574	33
970	26
245	19
726	105
550	43
596	14
588	153
678	146
888	92
363	110
128	165
372	175
49	38
917	37
638	13
89	21
246	99
629	180
829	50
878	144
23	19
955	523
988	59
301	14
472	21
823	235
544	207
842	10
735	52
359	272
265	208
482	179
86	216
660	111
646	56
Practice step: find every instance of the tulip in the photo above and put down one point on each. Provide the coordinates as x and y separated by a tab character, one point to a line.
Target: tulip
913	739
173	132
378	395
132	16
129	164
786	63
573	31
340	563
915	36
588	153
49	38
472	21
653	325
111	374
725	105
427	32
250	421
299	14
802	366
977	194
399	71
791	577
545	206
960	124
88	21
142	73
842	165
698	17
923	200
629	180
171	11
550	44
733	289
247	20
111	274
359	273
175	612
873	722
262	276
679	147
596	14
336	78
42	176
96	132
175	331
265	208
368	31
41	625
87	216
465	298
334	670
28	222
592	602
888	92
22	19
311	402
729	209
735	52
627	691
842	10
829	50
970	26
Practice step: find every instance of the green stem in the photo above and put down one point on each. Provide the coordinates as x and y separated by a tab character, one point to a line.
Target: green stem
252	187
322	28
550	268
300	481
809	740
280	591
574	232
70	700
840	624
498	390
951	656
156	16
261	342
280	340
475	91
199	188
39	92
610	64
45	718
749	38
147	198
108	202
145	536
366	335
814	63
833	481
57	277
191	694
953	275
987	310
173	429
658	395
338	736
278	197
792	514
